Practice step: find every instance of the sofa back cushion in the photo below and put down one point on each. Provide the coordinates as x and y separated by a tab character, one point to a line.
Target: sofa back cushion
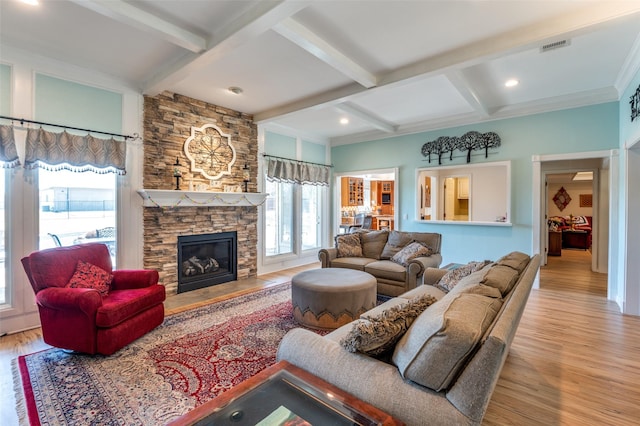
396	241
515	260
54	267
440	340
373	243
501	277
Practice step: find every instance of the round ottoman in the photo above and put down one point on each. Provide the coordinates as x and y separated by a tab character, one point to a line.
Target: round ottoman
331	297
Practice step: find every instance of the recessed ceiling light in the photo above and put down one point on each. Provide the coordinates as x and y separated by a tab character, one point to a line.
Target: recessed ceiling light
235	90
512	82
344	121
30	2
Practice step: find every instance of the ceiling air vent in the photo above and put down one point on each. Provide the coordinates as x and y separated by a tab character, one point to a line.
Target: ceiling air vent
555	45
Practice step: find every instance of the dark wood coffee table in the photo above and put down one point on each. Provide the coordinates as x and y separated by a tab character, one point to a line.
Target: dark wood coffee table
285	394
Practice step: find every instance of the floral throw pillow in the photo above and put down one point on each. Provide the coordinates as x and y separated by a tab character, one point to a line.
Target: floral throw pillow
453	277
91	276
410	252
349	245
378	335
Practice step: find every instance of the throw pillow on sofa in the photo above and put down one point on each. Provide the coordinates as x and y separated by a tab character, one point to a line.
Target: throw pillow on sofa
91	276
453	277
378	335
410	252
349	245
396	241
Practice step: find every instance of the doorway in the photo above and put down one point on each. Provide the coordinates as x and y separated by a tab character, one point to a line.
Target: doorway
370	194
604	200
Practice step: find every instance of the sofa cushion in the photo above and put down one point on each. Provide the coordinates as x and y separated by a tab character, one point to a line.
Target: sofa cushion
453	276
387	269
121	305
436	346
515	260
501	277
373	242
410	252
357	263
379	334
348	245
395	242
88	275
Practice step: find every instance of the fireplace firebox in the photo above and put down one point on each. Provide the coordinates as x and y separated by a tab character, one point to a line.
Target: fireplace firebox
206	259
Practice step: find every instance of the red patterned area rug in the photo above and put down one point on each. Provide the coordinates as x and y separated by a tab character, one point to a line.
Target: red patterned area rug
191	358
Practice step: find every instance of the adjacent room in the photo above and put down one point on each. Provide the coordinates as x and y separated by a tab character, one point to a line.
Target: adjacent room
319	212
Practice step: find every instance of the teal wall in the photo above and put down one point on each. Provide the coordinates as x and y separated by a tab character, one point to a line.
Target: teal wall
313	152
279	145
591	128
5	90
64	102
287	147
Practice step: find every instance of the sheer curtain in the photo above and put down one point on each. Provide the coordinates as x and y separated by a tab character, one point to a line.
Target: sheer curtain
8	154
64	151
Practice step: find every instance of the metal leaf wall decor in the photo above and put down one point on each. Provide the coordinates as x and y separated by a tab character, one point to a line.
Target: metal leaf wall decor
470	141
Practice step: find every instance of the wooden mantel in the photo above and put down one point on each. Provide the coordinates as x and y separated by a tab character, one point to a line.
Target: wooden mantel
174	198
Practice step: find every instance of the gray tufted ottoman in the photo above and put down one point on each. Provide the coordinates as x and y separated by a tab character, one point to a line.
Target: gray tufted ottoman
331	297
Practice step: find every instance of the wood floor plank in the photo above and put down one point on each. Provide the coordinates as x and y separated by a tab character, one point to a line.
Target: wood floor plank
575	360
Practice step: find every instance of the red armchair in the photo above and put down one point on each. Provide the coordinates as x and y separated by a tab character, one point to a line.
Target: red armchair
83	320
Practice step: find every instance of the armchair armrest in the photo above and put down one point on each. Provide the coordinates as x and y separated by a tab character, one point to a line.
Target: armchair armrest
66	299
128	278
433	275
326	256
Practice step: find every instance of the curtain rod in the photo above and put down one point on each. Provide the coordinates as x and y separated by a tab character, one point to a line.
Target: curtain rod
297	161
24	120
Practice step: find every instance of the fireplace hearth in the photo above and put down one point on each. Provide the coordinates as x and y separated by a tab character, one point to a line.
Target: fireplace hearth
206	259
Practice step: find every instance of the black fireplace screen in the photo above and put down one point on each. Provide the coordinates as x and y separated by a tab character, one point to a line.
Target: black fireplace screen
206	259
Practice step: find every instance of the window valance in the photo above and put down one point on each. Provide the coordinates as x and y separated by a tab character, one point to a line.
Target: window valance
64	151
8	153
300	172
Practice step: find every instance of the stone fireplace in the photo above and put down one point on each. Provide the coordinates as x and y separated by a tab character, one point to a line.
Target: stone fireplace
168	119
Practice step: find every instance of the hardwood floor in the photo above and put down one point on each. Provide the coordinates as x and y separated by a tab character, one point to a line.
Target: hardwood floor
574	359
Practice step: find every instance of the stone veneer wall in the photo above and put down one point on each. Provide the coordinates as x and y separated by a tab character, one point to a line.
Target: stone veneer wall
168	119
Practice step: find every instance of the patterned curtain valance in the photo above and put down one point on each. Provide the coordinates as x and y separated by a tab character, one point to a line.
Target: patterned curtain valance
292	171
64	151
8	153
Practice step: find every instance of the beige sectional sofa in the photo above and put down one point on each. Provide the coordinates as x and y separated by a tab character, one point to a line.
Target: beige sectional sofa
444	368
378	248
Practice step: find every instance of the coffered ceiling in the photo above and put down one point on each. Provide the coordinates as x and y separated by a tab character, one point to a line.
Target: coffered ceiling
389	67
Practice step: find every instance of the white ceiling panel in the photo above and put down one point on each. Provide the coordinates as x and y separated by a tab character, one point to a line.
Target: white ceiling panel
416	101
269	71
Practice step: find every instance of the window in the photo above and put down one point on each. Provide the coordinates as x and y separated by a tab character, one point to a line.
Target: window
284	221
3	254
311	223
279	218
77	208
